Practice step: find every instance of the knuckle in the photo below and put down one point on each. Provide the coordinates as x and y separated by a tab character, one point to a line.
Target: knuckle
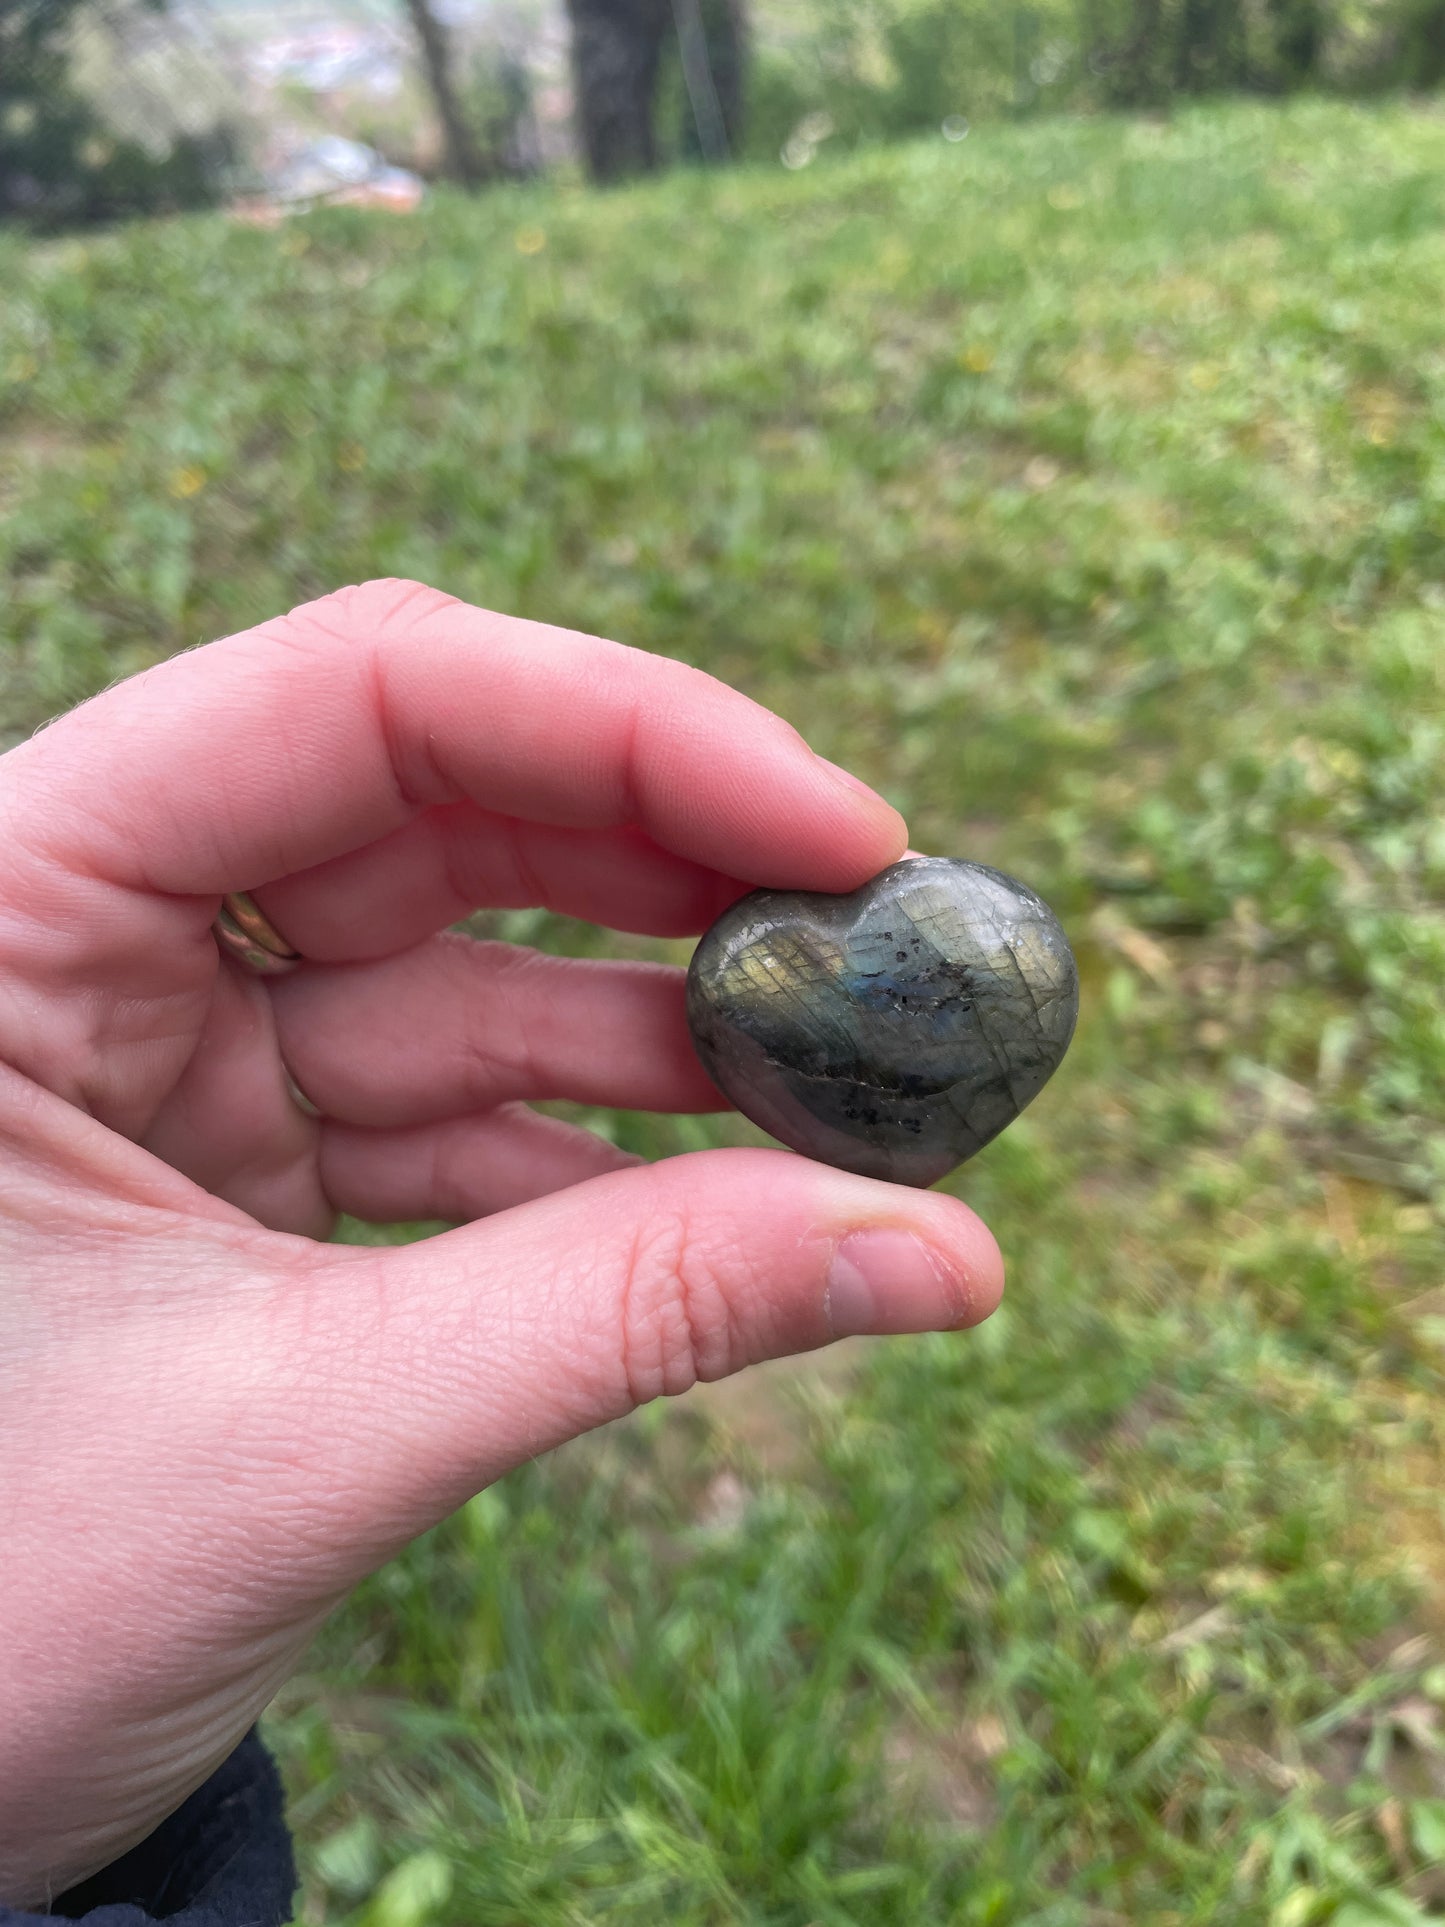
498	1040
386	606
519	980
379	614
452	1176
677	1322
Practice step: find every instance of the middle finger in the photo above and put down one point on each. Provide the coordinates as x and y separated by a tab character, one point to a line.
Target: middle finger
458	857
456	1026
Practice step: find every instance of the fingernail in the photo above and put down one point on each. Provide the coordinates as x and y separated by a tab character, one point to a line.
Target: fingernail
853	782
889	1281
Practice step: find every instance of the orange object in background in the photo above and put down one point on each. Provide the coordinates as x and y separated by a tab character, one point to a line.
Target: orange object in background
331	172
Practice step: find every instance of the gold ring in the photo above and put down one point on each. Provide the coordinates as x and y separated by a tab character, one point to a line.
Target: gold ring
247	934
298	1097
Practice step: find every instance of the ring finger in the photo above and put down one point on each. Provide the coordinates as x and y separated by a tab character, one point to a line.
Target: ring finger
454	1027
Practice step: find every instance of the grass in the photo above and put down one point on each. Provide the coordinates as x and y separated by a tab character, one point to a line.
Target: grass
1084	486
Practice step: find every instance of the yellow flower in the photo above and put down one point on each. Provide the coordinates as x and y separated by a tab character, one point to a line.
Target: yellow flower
977	358
351	457
187	481
1204	376
530	240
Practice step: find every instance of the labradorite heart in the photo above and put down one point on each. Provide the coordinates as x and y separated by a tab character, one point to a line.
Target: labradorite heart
892	1031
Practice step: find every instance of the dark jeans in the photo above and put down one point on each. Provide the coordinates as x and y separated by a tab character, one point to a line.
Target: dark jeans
222	1860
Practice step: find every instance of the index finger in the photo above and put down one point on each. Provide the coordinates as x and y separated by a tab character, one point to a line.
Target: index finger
295	742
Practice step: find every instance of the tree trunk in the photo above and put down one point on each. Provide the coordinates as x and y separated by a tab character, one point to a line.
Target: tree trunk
712	39
463	161
1298	39
1428	67
616	51
727	38
697	78
1210	54
1137	71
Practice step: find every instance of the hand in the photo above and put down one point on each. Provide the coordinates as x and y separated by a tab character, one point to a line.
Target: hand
211	1426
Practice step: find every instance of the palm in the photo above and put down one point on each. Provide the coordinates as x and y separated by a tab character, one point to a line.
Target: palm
373	768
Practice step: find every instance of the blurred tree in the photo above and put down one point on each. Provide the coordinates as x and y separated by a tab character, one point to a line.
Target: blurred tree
1209	46
712	46
1298	29
1135	77
616	55
501	103
618	50
463	158
880	69
1423	45
59	161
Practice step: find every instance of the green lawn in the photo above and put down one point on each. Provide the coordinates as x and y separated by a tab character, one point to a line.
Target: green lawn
1083	485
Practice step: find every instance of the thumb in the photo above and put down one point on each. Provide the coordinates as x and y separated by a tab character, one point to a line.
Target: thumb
478	1349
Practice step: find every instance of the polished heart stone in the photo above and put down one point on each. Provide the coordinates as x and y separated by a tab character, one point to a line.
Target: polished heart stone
892	1031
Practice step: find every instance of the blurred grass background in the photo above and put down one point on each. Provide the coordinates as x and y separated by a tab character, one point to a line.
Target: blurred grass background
1082	486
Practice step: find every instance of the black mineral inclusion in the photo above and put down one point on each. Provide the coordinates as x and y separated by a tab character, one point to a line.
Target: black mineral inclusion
895	1030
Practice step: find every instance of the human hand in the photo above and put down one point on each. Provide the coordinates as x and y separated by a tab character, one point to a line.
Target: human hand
211	1425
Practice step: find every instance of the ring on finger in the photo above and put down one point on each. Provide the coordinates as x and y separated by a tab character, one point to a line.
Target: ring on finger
298	1096
245	932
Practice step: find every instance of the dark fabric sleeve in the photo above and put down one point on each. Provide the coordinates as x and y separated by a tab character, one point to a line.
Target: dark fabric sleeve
222	1860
